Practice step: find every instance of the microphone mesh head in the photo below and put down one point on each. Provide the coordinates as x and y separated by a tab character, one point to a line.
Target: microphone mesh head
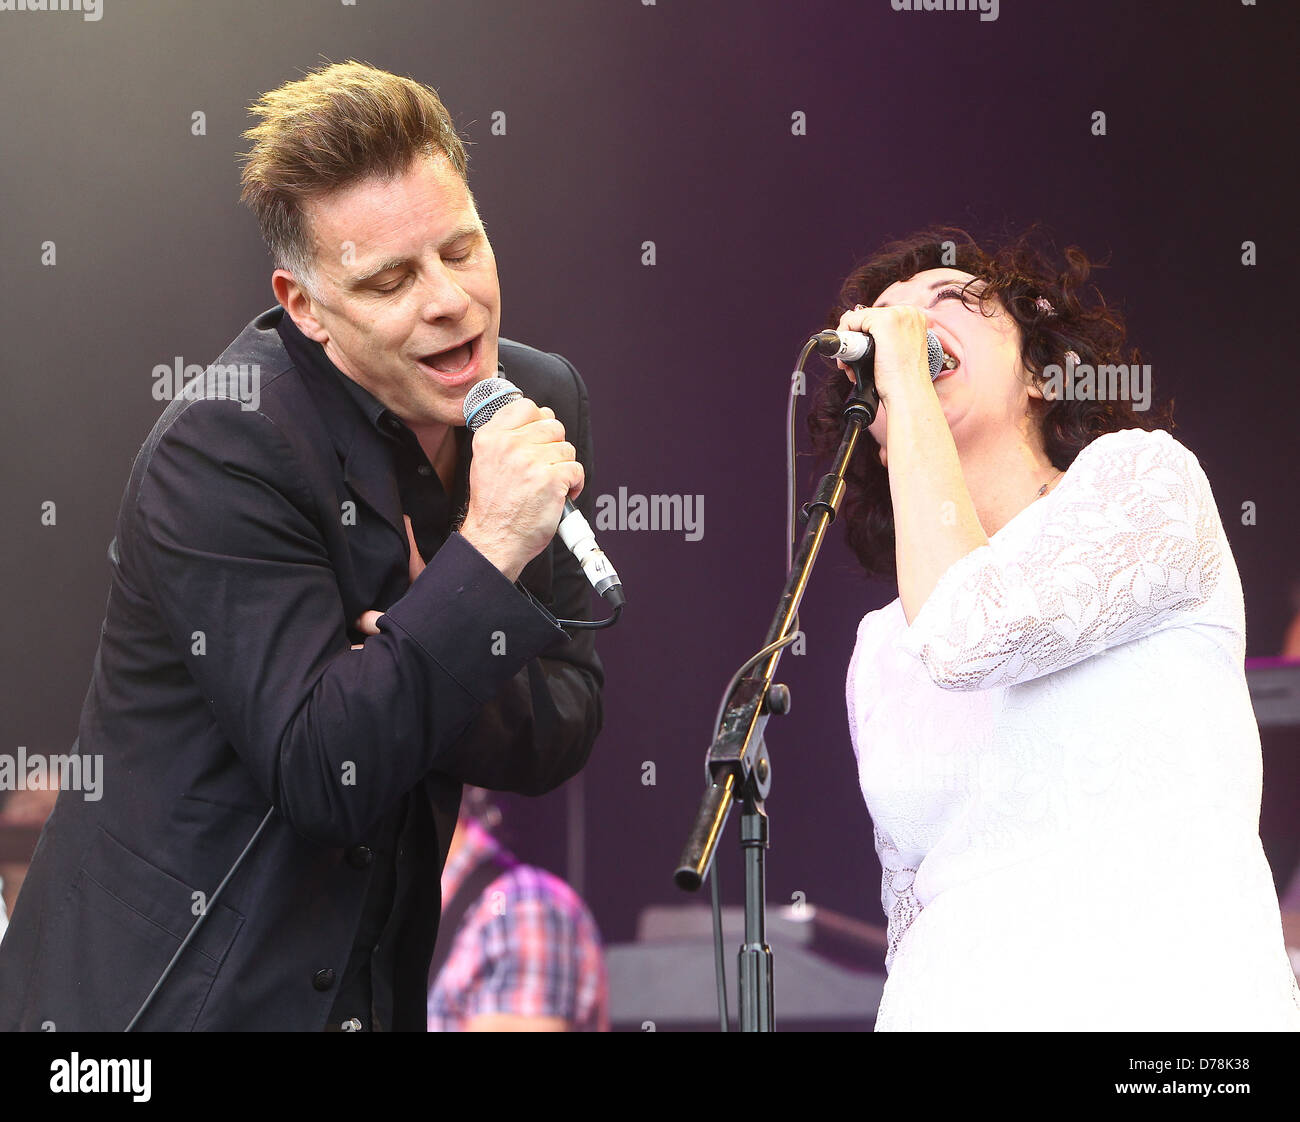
487	398
935	351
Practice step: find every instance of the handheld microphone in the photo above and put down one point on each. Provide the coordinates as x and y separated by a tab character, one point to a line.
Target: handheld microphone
484	400
851	346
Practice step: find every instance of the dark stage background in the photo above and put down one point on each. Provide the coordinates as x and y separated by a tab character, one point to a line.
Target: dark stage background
672	122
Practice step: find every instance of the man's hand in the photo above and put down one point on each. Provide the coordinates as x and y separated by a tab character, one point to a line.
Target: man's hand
368	622
523	470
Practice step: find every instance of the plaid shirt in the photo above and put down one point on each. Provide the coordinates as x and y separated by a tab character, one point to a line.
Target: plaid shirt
528	946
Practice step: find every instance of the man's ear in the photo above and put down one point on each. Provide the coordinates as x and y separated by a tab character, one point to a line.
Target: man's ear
294	299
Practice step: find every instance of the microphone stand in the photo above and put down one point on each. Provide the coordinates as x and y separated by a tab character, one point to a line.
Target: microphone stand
738	759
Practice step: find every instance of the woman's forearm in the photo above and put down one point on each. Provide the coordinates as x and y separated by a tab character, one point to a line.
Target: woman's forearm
935	523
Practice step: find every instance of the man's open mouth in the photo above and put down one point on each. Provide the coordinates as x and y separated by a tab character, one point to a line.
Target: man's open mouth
455	360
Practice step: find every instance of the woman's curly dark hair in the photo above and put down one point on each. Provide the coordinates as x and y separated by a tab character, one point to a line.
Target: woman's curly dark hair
1016	276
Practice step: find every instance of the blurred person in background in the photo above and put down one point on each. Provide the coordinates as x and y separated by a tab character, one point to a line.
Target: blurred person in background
518	950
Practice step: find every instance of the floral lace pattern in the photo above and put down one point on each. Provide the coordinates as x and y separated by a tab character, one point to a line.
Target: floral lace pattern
1133	541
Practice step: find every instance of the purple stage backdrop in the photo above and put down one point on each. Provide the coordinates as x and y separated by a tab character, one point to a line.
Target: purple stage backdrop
674	189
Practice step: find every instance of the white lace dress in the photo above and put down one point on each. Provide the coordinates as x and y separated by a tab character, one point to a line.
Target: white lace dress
1063	768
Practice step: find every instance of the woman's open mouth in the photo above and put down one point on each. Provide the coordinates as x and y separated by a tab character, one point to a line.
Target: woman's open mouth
950	363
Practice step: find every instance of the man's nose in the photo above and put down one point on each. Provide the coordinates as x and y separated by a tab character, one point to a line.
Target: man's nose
443	297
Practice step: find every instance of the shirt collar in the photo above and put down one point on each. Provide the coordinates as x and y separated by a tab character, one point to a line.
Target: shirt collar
310	354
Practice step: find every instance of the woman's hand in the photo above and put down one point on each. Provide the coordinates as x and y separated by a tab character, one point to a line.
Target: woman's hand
902	357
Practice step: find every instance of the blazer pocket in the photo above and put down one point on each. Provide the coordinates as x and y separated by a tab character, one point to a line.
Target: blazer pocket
130	916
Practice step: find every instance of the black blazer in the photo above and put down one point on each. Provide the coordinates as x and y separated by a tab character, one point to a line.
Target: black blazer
224	684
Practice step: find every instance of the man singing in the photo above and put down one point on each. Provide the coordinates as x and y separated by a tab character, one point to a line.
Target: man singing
325	615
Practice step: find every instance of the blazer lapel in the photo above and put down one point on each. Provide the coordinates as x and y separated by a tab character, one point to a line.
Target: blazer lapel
368	474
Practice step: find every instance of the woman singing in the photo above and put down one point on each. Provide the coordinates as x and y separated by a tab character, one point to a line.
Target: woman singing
1053	731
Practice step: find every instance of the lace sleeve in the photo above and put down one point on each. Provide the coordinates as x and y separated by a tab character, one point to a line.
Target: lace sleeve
1131	543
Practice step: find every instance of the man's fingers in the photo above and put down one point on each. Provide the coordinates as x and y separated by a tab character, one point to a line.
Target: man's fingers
415	565
577	478
515	415
368	623
545	431
535	424
523	467
563	451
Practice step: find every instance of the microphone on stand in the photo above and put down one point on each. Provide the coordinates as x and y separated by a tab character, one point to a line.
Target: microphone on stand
851	347
858	352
